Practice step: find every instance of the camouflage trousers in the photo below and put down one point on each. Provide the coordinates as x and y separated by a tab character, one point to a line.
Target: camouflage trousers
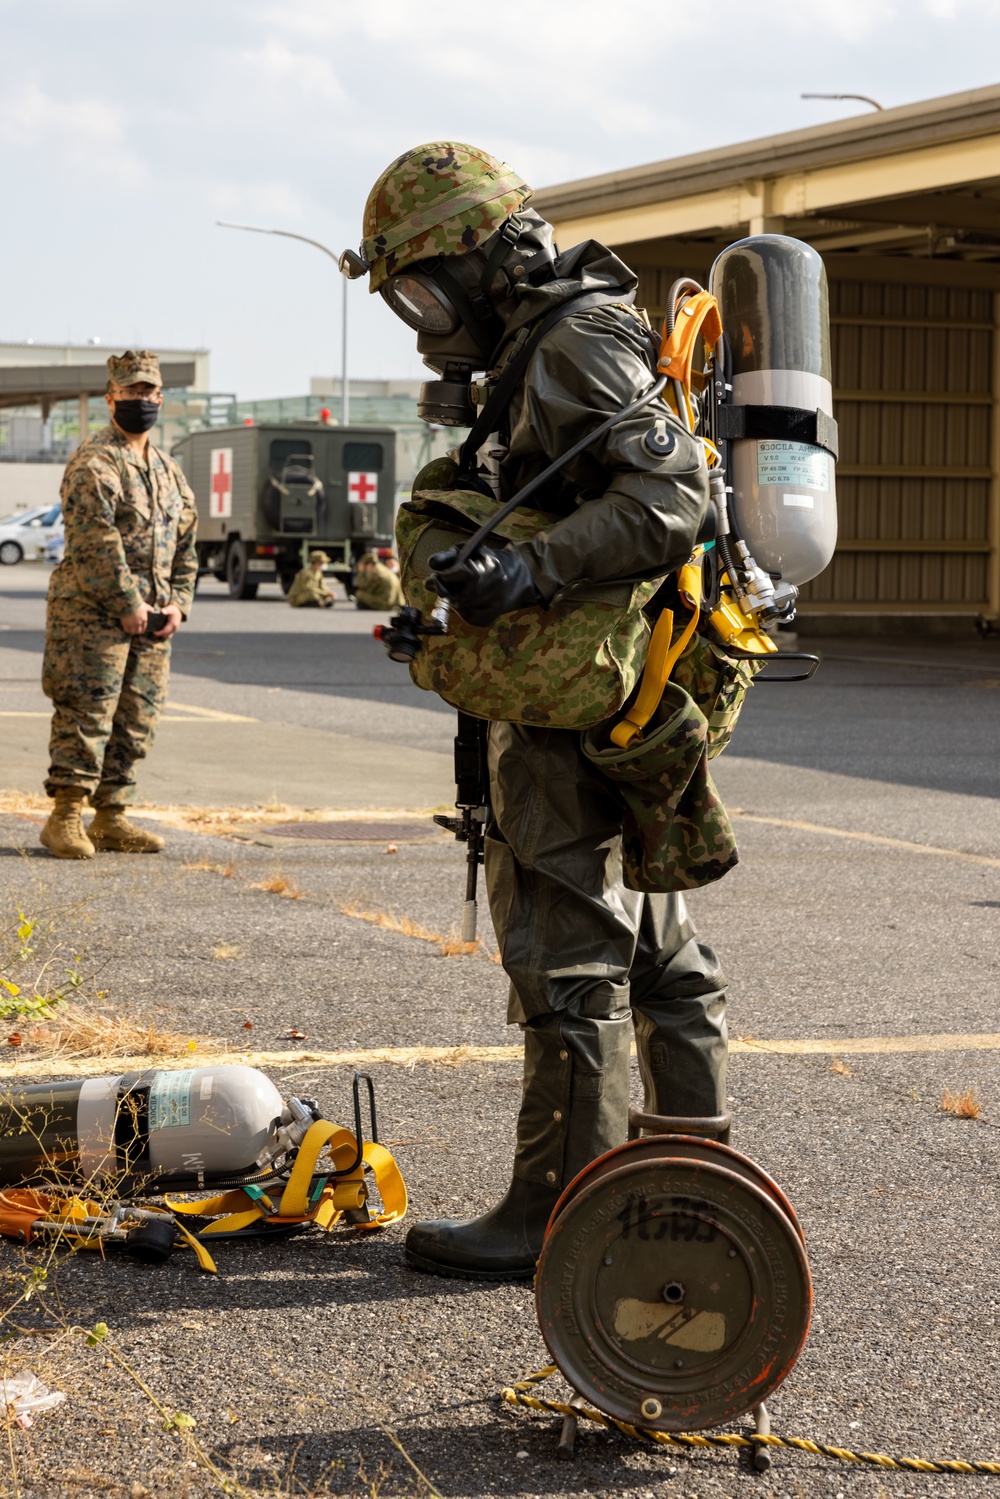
590	961
107	689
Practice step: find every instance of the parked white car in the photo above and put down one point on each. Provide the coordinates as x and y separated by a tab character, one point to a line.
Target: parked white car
54	549
25	535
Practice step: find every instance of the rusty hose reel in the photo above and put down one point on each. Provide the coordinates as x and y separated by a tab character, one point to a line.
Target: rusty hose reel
673	1289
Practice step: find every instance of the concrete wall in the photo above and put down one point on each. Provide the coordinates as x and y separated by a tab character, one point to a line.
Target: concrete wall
26	485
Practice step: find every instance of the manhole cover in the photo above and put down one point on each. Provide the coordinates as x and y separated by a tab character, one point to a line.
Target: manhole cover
357	832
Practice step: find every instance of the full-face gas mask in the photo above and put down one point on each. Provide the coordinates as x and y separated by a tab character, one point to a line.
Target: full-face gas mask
457	306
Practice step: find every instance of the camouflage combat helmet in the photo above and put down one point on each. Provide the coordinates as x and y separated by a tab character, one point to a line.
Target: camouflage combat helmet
440	199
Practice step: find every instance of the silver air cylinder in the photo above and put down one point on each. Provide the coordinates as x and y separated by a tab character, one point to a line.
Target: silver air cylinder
772	293
200	1123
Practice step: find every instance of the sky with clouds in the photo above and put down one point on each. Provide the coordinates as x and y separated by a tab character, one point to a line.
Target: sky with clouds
127	131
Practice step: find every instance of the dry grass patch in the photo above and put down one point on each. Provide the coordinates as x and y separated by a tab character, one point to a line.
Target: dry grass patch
75	1032
963	1105
205	866
225	952
448	946
279	884
272	884
454	947
25	804
239	822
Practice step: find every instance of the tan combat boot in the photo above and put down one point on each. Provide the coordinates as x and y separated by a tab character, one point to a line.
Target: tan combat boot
63	835
111	829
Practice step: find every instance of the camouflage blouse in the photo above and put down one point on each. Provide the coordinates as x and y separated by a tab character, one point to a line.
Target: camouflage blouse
130	529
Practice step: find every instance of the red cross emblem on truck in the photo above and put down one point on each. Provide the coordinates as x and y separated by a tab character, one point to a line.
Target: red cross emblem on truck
220	502
362	489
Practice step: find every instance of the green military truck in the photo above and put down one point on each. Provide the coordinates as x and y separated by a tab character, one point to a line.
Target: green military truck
270	495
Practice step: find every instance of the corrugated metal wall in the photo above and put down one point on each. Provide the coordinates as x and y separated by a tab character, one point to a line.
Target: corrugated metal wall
913	378
913	395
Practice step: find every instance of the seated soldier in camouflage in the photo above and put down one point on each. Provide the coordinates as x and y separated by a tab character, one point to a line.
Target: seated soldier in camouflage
375	586
130	522
308	591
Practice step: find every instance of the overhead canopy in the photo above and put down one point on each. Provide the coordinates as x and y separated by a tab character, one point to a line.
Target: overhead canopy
43	385
918	183
904	206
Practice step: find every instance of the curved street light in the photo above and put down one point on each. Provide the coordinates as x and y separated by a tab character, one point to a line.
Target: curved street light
862	97
287	234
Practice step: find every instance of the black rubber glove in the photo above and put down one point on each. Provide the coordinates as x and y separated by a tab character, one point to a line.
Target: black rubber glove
489	584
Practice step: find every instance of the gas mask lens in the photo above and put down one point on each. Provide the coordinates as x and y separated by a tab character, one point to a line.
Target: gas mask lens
420	304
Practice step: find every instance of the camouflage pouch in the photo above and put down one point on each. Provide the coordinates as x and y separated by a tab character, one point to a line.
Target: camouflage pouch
566	667
718	683
676	833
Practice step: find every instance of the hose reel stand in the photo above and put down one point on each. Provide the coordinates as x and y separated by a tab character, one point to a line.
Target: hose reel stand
673	1289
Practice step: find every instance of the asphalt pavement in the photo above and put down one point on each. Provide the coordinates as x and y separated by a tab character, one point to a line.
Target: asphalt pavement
860	936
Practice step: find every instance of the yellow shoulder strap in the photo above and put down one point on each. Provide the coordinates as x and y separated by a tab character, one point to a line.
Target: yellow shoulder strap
699	316
240	1208
661	660
391	1187
205	1260
295	1198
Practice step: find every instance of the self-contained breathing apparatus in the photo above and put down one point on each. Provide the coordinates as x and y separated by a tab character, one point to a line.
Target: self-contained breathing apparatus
274	1165
745	366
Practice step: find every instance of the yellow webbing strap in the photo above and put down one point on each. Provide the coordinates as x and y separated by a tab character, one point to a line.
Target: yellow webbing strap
295	1198
207	1207
661	660
239	1209
391	1187
205	1260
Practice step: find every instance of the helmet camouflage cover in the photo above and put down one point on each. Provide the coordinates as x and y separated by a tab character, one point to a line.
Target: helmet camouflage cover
439	199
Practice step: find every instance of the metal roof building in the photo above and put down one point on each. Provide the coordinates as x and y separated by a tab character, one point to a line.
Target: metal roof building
904	206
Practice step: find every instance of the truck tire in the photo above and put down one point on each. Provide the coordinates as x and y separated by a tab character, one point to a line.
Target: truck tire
236	572
286	580
10	552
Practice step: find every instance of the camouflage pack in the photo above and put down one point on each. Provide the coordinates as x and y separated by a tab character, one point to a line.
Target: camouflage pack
718	683
565	667
676	834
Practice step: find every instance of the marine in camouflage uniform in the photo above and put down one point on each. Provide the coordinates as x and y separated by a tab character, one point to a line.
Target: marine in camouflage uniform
376	586
130	540
589	959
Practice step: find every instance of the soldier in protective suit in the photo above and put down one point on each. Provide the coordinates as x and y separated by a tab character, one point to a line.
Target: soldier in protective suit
454	251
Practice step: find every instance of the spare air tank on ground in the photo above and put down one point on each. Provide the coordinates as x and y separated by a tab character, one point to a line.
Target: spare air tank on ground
200	1124
772	293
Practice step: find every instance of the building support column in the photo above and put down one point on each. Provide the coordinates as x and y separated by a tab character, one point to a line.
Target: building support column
84	418
993	580
761	219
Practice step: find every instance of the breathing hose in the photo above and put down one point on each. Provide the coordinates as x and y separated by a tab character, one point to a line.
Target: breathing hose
488	527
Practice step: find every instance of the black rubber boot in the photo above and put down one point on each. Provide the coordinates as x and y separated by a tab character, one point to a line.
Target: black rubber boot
501	1245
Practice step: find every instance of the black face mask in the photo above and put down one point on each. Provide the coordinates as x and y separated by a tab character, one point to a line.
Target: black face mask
137	416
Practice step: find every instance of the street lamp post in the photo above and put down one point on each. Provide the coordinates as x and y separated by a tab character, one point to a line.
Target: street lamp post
864	99
345	407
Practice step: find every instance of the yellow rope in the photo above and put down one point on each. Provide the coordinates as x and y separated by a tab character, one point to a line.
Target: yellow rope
517	1395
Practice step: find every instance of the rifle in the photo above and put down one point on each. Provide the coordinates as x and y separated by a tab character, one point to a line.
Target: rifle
472	802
